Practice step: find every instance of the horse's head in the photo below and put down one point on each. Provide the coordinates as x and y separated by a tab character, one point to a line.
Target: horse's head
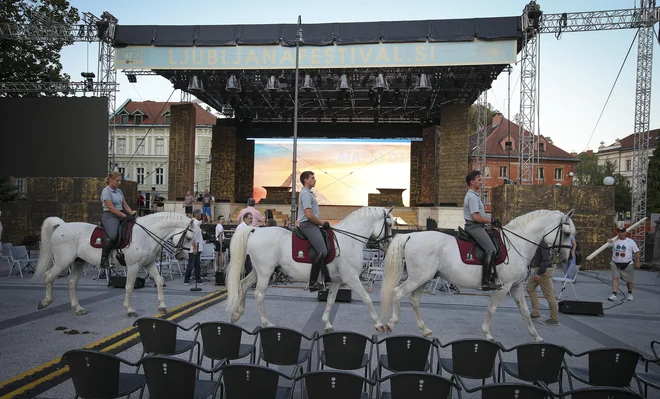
381	230
184	240
559	235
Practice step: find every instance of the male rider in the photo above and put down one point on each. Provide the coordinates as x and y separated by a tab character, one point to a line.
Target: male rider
475	226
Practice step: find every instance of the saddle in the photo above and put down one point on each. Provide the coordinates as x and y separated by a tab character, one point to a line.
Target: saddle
123	238
300	245
472	253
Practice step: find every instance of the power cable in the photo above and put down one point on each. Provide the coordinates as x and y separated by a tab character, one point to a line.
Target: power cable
608	283
611	90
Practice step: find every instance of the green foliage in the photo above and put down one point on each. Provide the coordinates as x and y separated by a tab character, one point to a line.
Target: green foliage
589	173
8	191
30	60
472	117
653	183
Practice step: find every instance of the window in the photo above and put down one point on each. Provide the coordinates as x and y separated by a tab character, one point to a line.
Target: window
541	147
159	175
486	171
19	182
503	171
121	145
137	119
139	175
167	119
122	171
486	197
123	119
139	144
540	173
559	173
160	146
628	164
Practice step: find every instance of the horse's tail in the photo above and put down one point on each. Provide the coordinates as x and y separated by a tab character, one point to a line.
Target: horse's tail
393	270
238	251
46	251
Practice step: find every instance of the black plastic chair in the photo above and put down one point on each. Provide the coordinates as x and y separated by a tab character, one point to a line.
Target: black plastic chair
171	377
158	337
405	353
333	384
222	341
281	346
242	381
600	393
506	390
470	358
537	361
649	378
344	350
96	375
417	385
607	367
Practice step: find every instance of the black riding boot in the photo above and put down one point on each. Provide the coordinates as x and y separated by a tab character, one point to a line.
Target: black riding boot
487	264
108	245
314	284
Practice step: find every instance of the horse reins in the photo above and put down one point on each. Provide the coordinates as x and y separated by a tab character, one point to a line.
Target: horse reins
166	244
554	245
360	238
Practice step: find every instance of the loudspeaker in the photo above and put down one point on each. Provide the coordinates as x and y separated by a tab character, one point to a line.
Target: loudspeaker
120	282
343	295
219	278
581	307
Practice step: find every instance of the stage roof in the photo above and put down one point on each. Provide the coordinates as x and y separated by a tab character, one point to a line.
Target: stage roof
395	72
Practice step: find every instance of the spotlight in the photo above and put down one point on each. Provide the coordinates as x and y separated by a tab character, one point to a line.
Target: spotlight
195	84
334	120
375	119
350	119
131	78
318	119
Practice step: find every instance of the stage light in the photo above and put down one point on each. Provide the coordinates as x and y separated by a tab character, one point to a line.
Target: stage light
375	119
131	78
233	84
350	119
308	83
423	83
195	84
334	119
343	83
381	83
318	119
88	75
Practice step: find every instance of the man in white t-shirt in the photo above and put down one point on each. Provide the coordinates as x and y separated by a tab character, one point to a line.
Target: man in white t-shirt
219	236
194	255
247	222
623	249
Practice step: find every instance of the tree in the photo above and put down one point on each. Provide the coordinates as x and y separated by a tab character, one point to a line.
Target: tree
473	112
653	183
8	191
30	60
589	173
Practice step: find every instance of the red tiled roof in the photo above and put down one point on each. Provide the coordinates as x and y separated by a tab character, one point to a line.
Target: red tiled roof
154	110
628	142
495	142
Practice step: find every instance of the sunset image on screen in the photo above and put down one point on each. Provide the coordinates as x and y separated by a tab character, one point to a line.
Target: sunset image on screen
346	171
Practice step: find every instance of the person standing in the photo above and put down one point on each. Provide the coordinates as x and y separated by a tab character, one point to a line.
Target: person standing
246	222
219	236
475	225
154	199
542	271
188	203
194	257
310	223
207	201
623	249
140	203
115	209
257	218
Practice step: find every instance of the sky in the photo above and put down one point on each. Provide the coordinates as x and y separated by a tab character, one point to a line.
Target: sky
576	72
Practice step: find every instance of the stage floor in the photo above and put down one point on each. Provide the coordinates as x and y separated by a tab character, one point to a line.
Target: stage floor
29	337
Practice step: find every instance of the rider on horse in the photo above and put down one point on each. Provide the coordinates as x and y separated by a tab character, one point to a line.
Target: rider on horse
475	225
115	209
309	222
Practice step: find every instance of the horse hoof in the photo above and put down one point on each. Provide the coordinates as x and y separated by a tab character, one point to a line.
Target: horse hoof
330	329
380	328
41	306
162	309
538	339
234	318
81	312
428	334
388	329
132	314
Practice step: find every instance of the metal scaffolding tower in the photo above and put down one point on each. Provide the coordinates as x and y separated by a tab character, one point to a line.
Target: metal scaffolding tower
479	149
93	29
643	19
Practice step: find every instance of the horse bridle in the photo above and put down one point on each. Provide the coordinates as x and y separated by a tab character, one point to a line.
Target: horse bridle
166	244
559	230
387	228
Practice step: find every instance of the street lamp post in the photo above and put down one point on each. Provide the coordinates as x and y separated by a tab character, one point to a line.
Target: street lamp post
295	124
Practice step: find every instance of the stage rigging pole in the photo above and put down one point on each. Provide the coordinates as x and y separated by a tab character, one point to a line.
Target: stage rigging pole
295	127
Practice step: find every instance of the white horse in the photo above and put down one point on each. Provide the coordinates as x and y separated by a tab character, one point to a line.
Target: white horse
270	247
68	244
427	253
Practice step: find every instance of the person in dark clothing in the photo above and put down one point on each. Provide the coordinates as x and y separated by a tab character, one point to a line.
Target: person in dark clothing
542	270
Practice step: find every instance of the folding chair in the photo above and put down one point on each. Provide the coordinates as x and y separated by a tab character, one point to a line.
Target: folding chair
649	378
21	259
610	367
6	252
569	278
536	361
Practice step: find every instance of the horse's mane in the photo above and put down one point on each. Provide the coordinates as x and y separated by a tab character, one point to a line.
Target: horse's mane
364	213
173	216
523	221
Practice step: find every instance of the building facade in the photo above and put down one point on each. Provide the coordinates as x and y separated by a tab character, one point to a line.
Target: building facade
142	131
552	165
621	153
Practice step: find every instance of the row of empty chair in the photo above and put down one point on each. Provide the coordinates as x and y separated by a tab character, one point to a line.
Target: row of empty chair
17	257
414	366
